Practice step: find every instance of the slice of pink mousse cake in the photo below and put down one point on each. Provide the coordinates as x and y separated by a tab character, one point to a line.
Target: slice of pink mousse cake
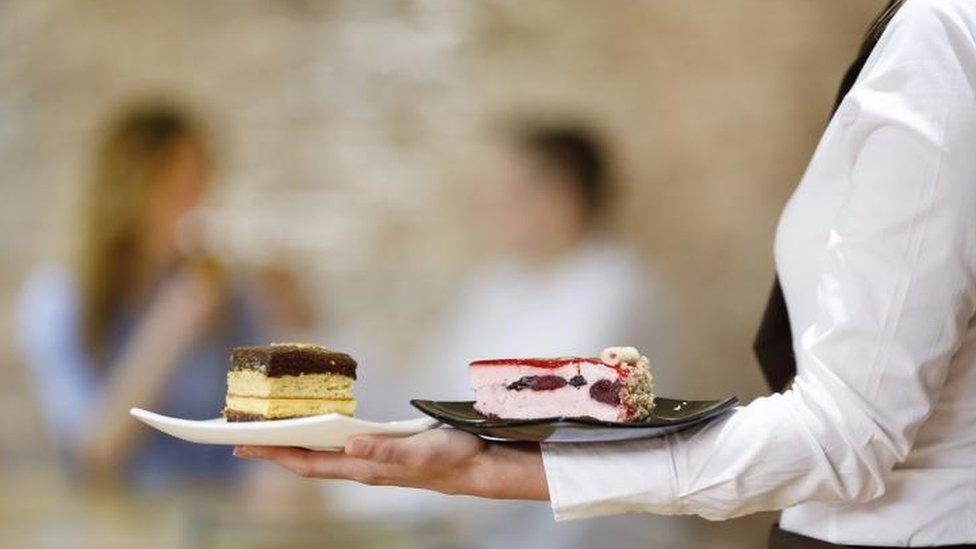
614	387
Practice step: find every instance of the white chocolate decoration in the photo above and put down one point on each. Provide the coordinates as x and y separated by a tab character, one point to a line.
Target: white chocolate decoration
620	355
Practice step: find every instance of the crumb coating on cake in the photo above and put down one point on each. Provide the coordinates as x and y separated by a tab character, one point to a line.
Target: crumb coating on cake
637	392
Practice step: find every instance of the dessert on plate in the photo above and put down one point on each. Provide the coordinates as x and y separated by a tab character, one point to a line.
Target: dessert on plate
616	386
288	380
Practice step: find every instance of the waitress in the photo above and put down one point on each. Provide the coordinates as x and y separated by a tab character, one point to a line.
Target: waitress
875	442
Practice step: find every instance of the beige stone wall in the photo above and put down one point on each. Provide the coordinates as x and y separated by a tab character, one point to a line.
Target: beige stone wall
372	115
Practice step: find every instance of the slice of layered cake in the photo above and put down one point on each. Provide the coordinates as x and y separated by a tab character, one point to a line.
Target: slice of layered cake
288	380
614	387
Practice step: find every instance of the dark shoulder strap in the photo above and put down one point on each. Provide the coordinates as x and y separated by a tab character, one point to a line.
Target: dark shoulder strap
774	341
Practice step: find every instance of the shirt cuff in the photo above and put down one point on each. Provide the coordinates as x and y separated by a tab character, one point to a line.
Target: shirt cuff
595	479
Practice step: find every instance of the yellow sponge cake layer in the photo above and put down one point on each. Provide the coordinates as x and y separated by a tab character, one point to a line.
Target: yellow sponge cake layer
248	383
279	408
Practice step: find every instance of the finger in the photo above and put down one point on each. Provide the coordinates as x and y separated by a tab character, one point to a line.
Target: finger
434	446
303	462
376	448
413	451
248	452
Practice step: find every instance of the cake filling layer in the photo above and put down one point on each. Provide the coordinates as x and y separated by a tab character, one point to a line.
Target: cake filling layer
568	400
276	408
545	383
250	383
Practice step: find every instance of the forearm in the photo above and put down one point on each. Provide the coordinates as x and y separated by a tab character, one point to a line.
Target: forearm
769	455
138	379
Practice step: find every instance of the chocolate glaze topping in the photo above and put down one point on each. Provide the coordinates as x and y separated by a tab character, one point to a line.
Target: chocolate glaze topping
291	359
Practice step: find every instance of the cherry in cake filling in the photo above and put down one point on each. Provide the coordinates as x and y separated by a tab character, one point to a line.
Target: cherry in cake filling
603	390
539	383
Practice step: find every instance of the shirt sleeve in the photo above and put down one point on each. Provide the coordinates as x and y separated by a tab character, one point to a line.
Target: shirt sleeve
51	348
894	298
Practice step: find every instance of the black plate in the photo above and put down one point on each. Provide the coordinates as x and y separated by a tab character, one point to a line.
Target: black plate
669	416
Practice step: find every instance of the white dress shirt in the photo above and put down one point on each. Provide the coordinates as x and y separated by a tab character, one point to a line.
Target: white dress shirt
875	444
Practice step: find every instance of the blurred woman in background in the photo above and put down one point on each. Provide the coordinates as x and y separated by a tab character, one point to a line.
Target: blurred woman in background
136	320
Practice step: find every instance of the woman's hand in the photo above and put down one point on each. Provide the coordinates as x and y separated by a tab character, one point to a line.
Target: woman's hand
444	460
189	304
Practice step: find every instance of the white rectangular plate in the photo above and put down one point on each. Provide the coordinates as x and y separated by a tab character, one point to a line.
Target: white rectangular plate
326	432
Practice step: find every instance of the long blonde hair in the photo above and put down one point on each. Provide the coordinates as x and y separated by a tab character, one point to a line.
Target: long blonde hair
127	163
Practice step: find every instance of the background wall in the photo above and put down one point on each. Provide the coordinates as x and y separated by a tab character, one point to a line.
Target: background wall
373	115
